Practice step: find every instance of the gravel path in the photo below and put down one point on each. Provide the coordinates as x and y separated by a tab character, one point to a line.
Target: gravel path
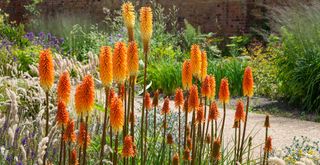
282	130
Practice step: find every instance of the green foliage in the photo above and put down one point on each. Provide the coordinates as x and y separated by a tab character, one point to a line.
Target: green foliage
26	57
165	75
299	64
237	45
231	68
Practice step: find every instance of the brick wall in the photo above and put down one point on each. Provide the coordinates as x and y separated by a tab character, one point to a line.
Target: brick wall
226	17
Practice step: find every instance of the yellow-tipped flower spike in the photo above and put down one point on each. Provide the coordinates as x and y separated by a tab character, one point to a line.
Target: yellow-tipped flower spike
224	95
133	59
64	87
84	96
247	82
120	62
117	115
105	64
46	70
178	98
205	87
186	75
128	17
240	114
204	65
193	100
195	56
146	25
212	82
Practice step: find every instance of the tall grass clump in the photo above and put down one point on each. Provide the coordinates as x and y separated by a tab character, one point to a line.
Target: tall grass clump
299	63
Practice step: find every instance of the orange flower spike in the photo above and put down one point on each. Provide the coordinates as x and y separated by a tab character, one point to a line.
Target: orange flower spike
84	96
146	24
240	114
205	87
166	106
195	56
128	15
73	157
120	62
212	83
189	142
224	95
46	70
105	64
216	149
62	117
147	101
155	100
111	96
64	87
200	118
170	139
268	145
128	150
193	98
82	135
117	115
133	59
213	111
186	75
178	99
247	82
186	154
175	159
69	135
204	65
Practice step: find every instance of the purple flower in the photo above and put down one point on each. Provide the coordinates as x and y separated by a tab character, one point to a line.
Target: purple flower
24	140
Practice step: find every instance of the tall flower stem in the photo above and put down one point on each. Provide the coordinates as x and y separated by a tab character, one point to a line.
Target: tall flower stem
115	158
69	152
154	122
265	154
239	139
193	131
203	129
223	120
61	146
146	48
85	142
145	137
179	135
132	111
244	130
80	148
200	140
125	111
235	145
103	139
186	123
47	124
111	141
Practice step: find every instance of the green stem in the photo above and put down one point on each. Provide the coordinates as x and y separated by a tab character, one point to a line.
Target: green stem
103	139
244	130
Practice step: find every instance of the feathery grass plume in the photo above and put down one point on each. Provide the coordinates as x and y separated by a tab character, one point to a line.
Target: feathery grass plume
147	101
268	145
62	116
70	135
105	65
175	159
84	96
46	69
195	58
240	115
247	82
224	95
178	99
133	59
189	142
111	96
119	62
116	115
216	154
128	150
155	101
64	87
166	106
73	158
213	111
186	154
146	25
267	122
205	87
82	135
169	139
204	65
193	98
128	18
186	75
200	114
212	82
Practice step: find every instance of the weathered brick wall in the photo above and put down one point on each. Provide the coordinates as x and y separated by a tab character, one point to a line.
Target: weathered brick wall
227	17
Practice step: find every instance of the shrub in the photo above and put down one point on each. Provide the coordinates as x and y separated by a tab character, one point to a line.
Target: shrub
299	65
